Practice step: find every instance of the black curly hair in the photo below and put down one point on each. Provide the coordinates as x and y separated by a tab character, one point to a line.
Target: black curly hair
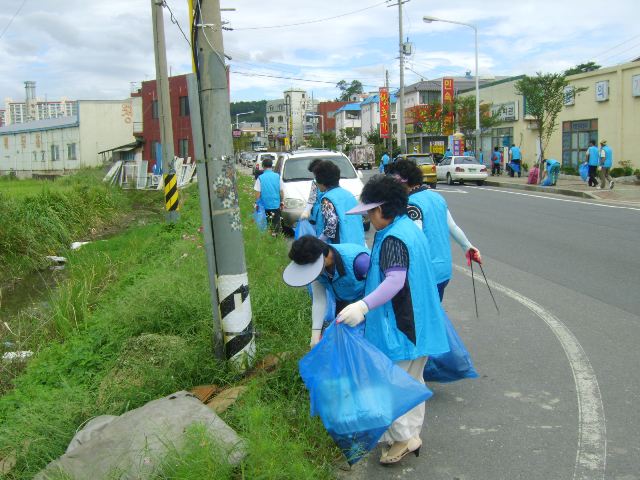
327	173
307	249
381	188
408	171
314	163
267	163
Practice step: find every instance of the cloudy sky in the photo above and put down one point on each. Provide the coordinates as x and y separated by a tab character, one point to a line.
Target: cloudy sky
91	49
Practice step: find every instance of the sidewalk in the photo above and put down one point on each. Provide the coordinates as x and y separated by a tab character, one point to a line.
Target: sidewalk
625	193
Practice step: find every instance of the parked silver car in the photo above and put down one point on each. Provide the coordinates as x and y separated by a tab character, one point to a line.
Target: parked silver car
296	180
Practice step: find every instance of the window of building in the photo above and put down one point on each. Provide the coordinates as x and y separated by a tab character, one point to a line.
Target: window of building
55	153
352	115
184	106
271	119
155	113
129	156
575	140
42	155
183	147
502	137
35	156
280	118
429	97
71	151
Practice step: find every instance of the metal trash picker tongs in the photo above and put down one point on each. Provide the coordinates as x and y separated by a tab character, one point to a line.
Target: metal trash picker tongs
473	282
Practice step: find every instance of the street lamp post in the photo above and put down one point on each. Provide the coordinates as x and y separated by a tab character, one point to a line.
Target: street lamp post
238	114
429	19
321	126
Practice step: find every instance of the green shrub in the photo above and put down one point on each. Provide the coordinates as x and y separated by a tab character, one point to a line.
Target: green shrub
621	172
569	170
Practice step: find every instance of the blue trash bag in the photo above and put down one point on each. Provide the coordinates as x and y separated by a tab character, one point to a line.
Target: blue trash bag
515	167
453	365
584	171
356	390
303	228
330	312
260	217
552	176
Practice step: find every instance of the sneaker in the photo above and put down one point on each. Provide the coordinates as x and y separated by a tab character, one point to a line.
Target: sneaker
611	185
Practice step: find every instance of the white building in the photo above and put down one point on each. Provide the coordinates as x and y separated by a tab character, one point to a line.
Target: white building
58	145
348	117
285	113
33	108
370	115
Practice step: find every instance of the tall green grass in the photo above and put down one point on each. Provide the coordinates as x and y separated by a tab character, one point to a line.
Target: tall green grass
40	218
133	323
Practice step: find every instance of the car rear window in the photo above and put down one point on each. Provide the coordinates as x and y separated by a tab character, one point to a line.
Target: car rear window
466	161
296	169
421	159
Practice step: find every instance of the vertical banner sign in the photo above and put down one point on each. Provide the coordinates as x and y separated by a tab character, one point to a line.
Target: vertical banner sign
447	100
384	112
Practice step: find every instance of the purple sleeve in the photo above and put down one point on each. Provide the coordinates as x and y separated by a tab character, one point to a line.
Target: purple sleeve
361	266
390	286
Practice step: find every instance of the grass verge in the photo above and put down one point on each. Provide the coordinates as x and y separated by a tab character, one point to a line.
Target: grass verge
41	217
133	323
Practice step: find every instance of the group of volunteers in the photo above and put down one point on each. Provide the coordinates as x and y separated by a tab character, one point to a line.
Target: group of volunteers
396	287
599	159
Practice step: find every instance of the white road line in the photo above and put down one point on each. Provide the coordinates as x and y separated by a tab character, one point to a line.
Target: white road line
591	456
554	198
452	190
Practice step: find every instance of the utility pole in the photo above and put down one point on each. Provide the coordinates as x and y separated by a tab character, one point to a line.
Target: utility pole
389	139
218	189
402	138
164	114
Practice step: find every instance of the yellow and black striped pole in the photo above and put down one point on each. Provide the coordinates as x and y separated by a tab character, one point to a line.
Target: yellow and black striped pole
171	196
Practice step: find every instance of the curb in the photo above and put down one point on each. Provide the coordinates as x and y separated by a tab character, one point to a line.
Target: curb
537	188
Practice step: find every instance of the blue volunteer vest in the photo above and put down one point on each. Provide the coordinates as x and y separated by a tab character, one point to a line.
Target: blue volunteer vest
515	154
495	156
428	317
608	159
270	190
594	157
350	227
434	225
344	284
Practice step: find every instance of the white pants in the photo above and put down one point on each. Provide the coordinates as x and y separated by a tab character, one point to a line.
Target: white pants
410	424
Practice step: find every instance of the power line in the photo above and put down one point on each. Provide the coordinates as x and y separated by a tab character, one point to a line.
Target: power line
616	46
252	74
307	22
175	21
12	19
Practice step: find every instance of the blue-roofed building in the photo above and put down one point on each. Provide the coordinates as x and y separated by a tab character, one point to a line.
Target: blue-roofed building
348	121
370	115
56	146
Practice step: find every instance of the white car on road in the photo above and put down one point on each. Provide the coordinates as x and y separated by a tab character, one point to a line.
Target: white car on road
461	169
296	180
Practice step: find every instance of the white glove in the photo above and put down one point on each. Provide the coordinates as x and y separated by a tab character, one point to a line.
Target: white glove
315	338
353	314
305	214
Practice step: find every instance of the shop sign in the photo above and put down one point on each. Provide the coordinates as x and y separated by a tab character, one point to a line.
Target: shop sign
635	85
602	91
507	112
384	112
447	99
569	96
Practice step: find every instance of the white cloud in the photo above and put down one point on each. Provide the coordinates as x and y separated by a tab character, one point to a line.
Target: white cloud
90	49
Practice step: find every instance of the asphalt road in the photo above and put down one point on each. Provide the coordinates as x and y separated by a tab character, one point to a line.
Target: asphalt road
559	365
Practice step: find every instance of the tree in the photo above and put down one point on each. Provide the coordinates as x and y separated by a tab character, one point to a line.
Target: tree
465	111
582	68
348	89
346	136
544	97
315	141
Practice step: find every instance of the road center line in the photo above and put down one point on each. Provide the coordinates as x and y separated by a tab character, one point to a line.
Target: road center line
591	456
553	198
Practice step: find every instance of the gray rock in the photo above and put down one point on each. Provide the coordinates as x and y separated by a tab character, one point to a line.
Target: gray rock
133	445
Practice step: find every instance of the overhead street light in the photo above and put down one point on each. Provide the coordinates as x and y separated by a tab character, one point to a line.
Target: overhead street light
238	114
429	19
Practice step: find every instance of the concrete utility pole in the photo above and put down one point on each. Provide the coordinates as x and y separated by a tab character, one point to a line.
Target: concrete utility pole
218	190
164	113
401	133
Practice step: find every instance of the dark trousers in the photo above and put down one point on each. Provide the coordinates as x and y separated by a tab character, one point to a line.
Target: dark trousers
516	162
441	287
273	220
593	171
495	169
